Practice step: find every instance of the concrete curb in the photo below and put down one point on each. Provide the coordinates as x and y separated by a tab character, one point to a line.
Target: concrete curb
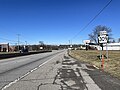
95	67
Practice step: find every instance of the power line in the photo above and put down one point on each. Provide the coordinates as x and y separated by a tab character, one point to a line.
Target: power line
8	40
11	40
93	19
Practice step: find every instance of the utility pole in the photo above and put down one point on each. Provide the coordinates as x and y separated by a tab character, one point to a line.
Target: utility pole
8	47
18	41
26	43
69	44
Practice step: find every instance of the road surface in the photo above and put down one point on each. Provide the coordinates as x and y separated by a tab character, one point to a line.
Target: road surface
14	68
53	71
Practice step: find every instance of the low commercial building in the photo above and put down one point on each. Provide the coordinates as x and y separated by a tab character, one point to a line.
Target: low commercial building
109	46
4	47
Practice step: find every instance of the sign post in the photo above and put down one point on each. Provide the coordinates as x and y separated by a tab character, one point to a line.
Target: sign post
86	42
103	39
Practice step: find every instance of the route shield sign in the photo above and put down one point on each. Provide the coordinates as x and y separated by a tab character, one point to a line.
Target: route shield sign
103	37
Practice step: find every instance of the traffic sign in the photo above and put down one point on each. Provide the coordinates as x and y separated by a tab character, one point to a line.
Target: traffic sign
103	39
103	33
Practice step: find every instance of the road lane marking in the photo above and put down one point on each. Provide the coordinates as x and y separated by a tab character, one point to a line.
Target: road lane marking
16	80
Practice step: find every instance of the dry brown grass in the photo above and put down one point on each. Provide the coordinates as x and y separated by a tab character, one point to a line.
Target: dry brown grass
111	65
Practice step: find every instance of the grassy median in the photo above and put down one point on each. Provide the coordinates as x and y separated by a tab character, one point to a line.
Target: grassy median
111	65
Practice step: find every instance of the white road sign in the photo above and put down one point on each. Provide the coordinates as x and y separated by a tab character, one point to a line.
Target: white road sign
103	33
103	39
86	41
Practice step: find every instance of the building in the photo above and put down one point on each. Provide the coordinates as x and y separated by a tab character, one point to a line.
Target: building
4	47
109	46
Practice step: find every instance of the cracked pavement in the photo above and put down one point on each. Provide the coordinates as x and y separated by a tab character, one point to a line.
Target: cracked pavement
63	73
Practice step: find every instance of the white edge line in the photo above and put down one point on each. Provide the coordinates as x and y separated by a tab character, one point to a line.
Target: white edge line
16	80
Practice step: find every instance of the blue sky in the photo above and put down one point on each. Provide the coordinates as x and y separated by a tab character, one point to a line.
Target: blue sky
55	21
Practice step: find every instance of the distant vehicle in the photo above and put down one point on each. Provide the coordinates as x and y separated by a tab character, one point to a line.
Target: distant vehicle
24	49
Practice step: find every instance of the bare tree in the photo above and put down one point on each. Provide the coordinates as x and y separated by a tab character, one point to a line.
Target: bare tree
41	42
94	35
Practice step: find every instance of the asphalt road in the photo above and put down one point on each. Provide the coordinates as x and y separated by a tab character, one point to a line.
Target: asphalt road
53	71
14	68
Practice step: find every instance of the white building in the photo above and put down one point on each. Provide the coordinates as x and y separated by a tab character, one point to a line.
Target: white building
109	46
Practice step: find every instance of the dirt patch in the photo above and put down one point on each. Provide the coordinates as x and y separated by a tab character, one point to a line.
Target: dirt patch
111	65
